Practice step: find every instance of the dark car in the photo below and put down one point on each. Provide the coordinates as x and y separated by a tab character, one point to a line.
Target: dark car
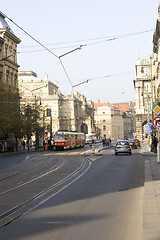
133	143
123	146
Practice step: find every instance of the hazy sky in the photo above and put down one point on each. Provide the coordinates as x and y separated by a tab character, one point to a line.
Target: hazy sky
63	25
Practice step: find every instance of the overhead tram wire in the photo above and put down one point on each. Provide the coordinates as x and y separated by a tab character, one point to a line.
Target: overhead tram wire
107	76
66	72
59	57
40	45
107	38
29	34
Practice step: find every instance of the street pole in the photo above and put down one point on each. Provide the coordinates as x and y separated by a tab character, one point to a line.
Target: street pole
158	150
36	128
151	85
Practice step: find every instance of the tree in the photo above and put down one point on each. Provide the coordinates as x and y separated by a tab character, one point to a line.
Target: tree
17	121
9	110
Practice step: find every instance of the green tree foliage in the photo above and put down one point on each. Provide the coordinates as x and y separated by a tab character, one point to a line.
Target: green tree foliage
31	119
9	111
16	120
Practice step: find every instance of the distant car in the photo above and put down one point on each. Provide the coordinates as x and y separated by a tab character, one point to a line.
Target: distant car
137	142
133	143
123	146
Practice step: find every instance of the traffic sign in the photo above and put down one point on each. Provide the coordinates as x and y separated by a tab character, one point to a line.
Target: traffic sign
156	109
153	128
156	121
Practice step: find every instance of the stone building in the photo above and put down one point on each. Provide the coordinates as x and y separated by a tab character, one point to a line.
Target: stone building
9	110
156	60
128	115
8	55
147	84
41	93
108	119
86	119
144	85
61	113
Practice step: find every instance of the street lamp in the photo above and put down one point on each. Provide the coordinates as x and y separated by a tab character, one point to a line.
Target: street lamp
78	48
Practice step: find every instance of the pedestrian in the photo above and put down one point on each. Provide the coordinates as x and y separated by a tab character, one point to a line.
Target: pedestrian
107	142
23	143
104	142
2	147
154	142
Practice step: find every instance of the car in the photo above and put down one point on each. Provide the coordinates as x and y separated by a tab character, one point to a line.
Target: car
133	143
123	146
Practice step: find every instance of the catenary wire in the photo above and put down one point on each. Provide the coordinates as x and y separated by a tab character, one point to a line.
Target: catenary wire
41	45
107	76
108	38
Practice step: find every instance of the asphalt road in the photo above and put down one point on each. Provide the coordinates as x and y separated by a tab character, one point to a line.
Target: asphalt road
105	203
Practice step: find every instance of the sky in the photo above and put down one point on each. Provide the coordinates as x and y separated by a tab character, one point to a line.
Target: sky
113	35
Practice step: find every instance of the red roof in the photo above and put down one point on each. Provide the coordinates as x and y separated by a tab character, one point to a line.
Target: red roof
96	105
124	107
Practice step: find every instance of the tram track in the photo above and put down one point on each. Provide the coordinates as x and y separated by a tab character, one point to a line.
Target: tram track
60	175
56	167
37	165
22	171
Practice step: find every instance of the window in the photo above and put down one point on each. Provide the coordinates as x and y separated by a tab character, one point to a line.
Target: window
104	120
142	69
104	128
48	112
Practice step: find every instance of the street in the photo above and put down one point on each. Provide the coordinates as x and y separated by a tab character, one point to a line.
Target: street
83	197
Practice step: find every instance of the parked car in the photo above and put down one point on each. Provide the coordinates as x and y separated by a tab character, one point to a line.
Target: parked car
137	142
123	146
133	143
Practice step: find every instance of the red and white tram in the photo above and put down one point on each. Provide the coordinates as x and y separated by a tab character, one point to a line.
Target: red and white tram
68	140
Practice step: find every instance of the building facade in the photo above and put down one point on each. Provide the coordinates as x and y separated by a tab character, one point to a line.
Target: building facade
147	85
144	85
128	115
8	55
9	110
61	113
108	119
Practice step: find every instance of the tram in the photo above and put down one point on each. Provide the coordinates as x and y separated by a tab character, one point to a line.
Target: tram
68	140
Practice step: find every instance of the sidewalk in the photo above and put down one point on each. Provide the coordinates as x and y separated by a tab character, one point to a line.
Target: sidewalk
151	195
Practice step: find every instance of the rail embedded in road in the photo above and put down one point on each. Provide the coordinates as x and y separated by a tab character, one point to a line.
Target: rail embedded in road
60	180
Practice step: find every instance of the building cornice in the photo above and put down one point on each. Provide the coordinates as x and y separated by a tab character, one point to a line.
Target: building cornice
10	35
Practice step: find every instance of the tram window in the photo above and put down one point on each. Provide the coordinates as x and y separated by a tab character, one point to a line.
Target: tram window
59	136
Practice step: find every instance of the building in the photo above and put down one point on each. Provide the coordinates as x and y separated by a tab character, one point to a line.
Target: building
115	120
108	118
8	55
9	92
128	115
61	113
144	85
147	85
86	114
156	61
42	93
